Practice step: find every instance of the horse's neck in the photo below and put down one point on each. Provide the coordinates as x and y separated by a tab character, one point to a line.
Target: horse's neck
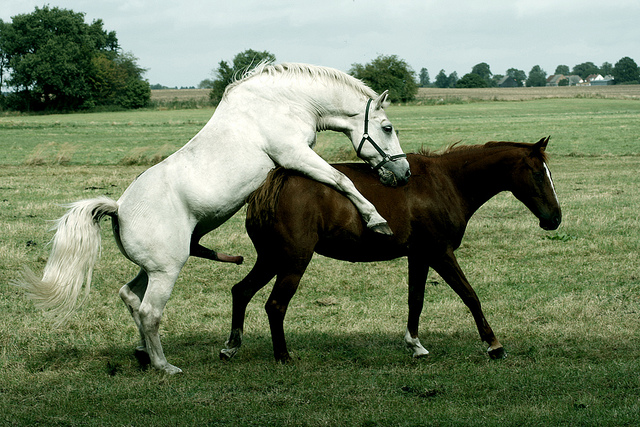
480	174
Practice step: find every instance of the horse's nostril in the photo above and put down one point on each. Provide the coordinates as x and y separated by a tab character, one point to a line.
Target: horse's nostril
408	174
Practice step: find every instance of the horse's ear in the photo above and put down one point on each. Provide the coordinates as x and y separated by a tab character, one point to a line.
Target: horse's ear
381	101
542	144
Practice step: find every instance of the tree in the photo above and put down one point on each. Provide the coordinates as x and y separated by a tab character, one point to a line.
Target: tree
518	75
537	77
424	77
442	80
562	69
626	71
471	80
585	69
4	59
483	70
388	72
58	62
452	79
606	69
205	84
242	63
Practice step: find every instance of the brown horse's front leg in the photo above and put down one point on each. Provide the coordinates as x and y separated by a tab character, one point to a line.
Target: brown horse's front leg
418	271
451	272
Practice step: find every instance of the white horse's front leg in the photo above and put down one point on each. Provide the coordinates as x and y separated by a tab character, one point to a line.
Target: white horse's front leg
305	160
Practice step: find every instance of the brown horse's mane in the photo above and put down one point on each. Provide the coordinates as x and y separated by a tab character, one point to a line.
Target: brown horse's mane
459	148
261	204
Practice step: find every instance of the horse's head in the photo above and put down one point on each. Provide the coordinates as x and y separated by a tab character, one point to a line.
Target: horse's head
533	186
378	143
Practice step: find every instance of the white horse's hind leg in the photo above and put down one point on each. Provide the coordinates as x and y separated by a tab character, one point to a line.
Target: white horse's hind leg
150	311
132	294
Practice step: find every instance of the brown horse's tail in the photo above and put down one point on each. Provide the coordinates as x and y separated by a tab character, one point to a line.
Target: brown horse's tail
262	203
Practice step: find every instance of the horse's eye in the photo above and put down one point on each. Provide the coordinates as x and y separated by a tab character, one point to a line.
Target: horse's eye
538	176
387	128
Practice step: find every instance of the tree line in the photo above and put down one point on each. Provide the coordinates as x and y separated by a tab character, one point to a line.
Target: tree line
625	71
51	60
392	73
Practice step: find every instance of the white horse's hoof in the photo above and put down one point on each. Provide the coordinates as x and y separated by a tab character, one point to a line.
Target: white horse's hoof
381	228
170	369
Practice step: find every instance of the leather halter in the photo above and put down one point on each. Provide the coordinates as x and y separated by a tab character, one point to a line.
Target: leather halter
365	137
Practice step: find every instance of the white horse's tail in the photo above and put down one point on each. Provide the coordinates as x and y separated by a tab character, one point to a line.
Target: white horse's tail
74	251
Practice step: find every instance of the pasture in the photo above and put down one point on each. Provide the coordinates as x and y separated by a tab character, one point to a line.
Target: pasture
565	304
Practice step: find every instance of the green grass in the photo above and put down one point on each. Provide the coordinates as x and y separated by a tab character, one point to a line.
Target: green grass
566	304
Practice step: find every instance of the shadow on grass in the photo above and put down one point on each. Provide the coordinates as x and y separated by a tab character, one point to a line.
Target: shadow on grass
195	351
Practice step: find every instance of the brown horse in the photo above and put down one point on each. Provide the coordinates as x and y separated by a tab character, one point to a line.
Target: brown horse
290	217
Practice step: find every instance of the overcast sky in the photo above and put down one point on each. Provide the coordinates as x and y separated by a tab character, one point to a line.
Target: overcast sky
181	42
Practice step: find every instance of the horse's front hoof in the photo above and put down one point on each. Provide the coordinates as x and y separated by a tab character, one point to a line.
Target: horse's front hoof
497	353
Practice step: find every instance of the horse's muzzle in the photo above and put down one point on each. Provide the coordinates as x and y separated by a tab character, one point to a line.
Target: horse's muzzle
552	222
395	173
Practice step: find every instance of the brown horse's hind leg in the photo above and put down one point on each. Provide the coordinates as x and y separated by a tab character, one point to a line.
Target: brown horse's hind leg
276	308
262	272
451	272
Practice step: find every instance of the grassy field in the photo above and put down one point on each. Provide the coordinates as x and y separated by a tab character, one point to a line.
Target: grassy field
566	304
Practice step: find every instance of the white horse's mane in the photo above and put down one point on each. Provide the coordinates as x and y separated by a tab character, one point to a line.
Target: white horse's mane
328	75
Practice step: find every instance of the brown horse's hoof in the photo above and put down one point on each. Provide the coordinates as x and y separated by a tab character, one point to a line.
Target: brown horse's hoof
498	353
283	359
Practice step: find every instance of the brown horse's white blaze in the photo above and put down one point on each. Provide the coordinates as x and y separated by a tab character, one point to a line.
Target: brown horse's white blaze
291	217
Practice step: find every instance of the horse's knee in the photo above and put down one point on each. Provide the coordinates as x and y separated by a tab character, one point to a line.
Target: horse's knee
274	308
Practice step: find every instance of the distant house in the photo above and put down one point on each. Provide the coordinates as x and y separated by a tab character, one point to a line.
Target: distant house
603	81
555	79
575	80
507	81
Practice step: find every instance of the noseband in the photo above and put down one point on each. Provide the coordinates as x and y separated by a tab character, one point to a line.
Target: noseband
365	137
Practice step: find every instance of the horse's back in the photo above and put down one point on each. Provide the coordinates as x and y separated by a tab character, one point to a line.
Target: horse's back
300	215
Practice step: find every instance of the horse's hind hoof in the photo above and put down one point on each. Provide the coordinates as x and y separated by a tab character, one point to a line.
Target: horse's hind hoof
382	228
498	353
228	353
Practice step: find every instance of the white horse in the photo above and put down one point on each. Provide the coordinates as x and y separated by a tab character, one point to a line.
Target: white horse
270	117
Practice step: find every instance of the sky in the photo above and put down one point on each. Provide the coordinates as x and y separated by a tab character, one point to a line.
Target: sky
181	42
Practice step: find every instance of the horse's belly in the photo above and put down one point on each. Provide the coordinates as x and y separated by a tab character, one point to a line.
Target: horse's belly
371	248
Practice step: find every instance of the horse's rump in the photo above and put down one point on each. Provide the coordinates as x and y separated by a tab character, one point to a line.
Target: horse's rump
263	202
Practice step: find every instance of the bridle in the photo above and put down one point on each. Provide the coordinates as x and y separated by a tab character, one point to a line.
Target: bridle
365	137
